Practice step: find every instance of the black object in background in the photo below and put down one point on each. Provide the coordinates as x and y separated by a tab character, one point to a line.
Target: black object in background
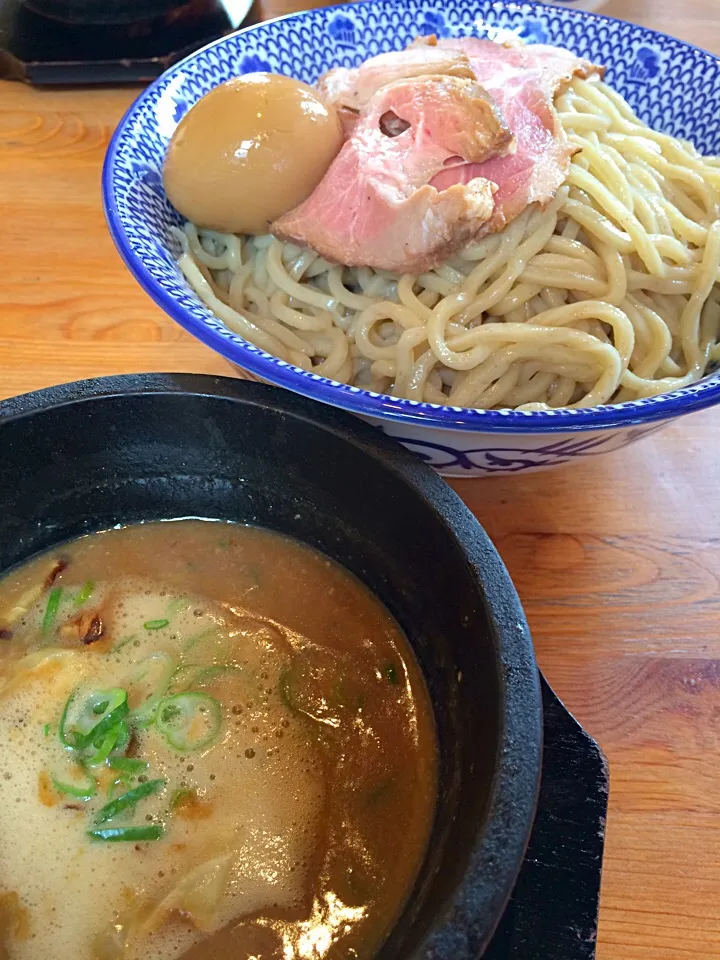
106	41
553	912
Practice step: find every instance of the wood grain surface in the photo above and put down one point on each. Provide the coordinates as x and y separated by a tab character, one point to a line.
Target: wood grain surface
617	560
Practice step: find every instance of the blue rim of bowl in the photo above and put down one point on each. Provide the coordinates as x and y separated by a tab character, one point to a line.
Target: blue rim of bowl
665	406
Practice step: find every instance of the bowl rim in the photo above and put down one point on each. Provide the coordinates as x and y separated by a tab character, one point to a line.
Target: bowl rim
704	393
500	840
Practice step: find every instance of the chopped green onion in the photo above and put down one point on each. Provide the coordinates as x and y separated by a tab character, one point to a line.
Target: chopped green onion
123	643
120	784
128	764
46	730
116	708
129	799
102	712
155	624
129	834
184	677
85	593
122	739
189	721
193	641
51	610
105	747
106	742
148	686
81	792
208	674
197	675
62	732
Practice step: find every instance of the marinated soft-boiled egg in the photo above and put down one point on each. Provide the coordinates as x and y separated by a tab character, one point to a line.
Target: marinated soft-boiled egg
250	150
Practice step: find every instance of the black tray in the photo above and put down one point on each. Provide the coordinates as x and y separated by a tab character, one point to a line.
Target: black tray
553	911
41	46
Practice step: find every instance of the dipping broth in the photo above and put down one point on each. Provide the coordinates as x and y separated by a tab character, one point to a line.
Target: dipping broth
216	744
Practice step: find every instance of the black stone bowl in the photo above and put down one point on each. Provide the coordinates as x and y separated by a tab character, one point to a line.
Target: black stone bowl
90	455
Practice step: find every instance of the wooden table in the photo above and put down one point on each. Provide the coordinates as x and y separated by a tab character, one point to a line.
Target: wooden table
617	560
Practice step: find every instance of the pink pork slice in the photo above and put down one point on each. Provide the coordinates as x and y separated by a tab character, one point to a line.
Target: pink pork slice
350	89
353	87
524	81
375	206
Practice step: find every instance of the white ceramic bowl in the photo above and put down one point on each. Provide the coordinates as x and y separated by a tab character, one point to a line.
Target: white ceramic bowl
673	86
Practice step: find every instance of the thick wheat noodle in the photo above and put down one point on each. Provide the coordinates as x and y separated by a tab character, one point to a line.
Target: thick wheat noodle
608	294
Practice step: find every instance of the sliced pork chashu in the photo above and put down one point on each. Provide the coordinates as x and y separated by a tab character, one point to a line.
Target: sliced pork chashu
375	206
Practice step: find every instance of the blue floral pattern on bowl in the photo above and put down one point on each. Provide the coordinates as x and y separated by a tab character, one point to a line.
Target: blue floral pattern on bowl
434	22
646	65
252	63
533	30
672	86
342	30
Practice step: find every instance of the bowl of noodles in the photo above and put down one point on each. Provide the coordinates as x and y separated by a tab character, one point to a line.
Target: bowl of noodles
581	320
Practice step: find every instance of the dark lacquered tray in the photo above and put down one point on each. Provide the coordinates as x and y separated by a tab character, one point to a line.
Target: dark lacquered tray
40	46
553	912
